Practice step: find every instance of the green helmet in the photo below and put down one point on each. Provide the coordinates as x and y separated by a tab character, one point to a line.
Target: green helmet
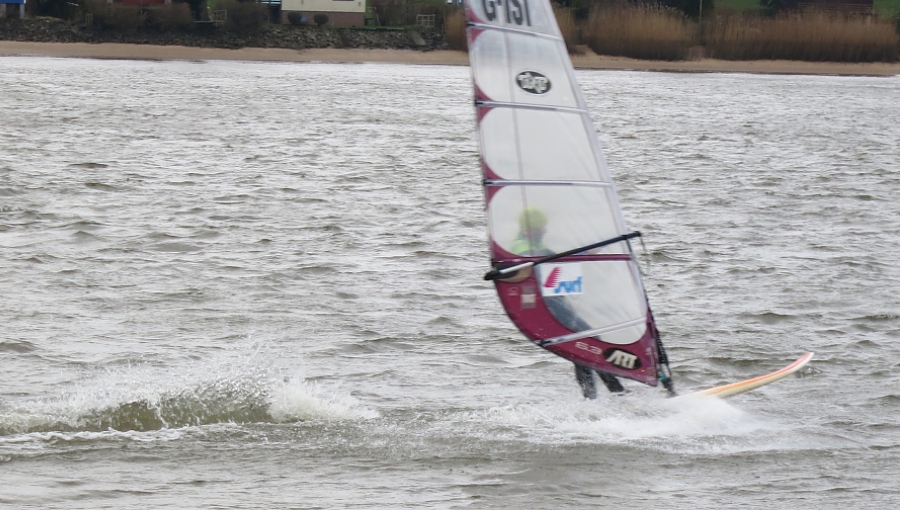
532	218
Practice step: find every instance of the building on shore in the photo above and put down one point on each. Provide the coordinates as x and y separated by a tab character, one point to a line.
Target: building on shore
339	12
8	6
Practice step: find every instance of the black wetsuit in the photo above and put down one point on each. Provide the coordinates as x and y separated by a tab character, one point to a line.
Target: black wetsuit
566	316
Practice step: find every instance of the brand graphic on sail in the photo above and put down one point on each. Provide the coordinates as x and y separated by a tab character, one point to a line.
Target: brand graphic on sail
533	82
562	280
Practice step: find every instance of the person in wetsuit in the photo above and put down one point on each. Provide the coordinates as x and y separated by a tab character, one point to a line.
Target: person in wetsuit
529	243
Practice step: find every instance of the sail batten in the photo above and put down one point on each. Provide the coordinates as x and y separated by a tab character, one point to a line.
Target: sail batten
525	106
515	182
518	31
548	193
593	332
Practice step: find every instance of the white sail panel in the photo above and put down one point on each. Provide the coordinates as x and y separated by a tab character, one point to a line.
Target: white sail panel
576	216
499	136
608	299
529	55
499	55
489	63
538	145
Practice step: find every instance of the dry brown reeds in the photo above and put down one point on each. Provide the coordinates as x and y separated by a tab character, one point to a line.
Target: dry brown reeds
811	36
639	31
455	31
567	27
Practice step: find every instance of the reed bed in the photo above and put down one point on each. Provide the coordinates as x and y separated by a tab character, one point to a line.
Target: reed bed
566	21
654	32
455	31
651	32
809	36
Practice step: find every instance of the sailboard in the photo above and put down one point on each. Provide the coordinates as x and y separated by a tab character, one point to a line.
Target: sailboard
737	388
561	253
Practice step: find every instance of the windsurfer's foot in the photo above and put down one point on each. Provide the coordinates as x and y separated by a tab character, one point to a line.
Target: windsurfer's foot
669	386
585	378
670	391
612	383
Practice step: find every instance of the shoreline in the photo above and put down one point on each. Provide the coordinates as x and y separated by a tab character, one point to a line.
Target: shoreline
122	51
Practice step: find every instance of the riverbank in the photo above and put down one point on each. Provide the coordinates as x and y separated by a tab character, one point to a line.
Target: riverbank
439	57
201	36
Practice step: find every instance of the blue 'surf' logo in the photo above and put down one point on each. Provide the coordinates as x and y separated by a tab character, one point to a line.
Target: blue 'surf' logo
571	287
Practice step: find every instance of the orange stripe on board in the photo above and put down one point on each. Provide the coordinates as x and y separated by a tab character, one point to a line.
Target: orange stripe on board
763	379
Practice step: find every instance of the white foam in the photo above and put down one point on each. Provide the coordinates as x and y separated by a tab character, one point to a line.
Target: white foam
241	384
297	399
64	437
626	420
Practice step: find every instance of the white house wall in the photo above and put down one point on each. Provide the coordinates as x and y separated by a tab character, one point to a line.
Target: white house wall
324	5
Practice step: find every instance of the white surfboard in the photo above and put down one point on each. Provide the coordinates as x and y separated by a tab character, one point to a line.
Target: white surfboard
751	384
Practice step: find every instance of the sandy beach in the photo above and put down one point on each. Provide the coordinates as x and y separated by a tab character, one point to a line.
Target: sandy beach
586	61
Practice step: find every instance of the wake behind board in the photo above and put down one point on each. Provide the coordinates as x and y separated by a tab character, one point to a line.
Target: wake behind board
756	382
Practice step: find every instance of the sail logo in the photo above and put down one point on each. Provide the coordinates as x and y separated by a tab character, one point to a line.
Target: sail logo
622	359
516	11
561	279
535	83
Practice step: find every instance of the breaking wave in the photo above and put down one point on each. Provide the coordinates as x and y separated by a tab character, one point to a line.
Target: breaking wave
234	389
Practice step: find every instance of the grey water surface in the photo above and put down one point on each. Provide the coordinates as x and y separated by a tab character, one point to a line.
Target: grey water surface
247	285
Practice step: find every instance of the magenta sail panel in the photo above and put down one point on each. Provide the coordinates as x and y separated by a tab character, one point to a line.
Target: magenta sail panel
548	191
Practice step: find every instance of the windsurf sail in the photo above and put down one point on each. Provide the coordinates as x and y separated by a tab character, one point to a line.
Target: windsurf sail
562	260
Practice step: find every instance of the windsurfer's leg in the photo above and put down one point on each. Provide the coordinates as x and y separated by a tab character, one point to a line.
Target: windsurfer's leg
612	382
585	378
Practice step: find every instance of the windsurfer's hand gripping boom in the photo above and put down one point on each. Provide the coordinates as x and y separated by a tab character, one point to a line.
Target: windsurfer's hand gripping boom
507	272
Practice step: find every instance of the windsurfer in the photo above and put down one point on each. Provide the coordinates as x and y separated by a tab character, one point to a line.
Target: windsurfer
530	243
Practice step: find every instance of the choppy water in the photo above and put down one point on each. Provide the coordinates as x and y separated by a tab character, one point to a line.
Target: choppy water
240	285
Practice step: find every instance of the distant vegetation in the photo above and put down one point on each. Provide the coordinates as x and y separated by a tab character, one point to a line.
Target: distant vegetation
639	31
646	29
243	16
888	8
568	27
810	36
180	16
455	31
731	30
131	18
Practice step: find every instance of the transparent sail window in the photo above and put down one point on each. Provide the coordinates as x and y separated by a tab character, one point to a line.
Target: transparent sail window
552	145
569	217
609	296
